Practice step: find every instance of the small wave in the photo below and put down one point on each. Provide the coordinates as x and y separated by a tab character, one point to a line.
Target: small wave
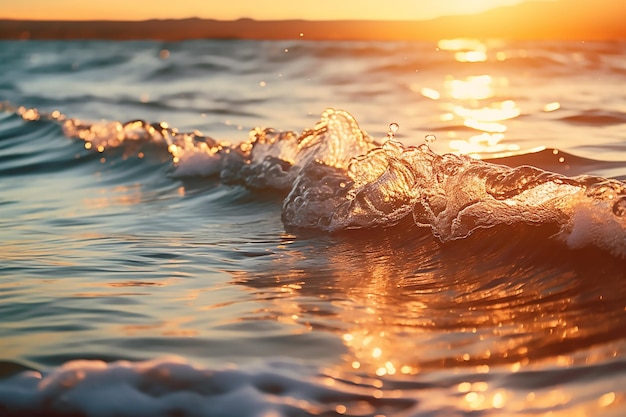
175	70
553	160
336	177
596	118
33	148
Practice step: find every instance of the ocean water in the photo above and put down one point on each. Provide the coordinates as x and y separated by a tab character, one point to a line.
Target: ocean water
250	228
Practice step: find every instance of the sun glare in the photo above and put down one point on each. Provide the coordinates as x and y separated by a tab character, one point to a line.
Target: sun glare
470	101
471	88
466	50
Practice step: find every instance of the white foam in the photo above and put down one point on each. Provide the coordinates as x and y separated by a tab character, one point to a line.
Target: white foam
162	387
197	164
593	223
172	386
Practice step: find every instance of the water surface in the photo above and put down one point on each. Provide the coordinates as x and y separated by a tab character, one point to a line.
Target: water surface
158	258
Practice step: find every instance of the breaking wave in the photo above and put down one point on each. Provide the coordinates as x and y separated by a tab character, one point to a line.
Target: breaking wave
336	177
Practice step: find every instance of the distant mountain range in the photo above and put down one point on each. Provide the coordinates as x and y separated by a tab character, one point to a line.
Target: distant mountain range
559	20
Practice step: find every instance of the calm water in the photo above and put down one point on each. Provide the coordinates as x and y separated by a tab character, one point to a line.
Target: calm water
186	230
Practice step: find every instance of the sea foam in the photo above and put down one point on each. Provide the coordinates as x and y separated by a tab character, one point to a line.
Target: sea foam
172	386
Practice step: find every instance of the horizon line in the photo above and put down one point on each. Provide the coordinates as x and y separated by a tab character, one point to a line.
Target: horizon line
457	26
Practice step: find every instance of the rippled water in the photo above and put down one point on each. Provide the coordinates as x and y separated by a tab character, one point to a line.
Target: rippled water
158	258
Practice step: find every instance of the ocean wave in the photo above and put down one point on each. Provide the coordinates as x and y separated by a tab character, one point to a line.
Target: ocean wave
596	117
336	177
456	195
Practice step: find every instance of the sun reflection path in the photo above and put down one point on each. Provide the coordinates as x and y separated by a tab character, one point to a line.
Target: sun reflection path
489	121
465	50
485	334
477	101
475	87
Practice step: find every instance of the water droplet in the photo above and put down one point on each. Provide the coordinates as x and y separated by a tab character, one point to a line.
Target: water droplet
393	129
430	138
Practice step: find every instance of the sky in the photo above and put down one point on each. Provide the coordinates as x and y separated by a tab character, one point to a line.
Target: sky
234	9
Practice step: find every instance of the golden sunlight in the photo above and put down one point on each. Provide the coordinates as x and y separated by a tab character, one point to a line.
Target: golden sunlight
469	101
122	195
472	88
490	122
465	50
497	112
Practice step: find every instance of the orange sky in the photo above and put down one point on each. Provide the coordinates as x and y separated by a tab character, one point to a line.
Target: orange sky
260	10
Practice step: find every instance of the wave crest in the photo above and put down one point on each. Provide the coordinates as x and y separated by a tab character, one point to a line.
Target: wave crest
454	195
